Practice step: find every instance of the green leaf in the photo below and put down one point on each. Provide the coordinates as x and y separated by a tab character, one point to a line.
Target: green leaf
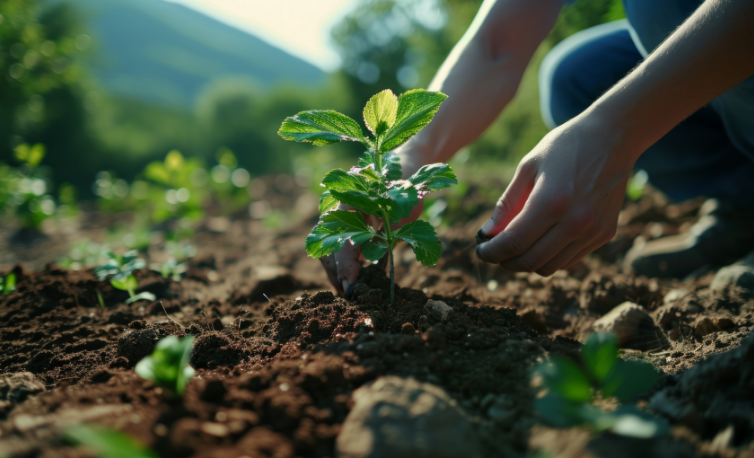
631	422
107	443
600	354
366	160
406	198
563	377
423	240
321	127
9	283
144	296
432	177
360	200
334	230
373	251
168	365
629	379
32	155
380	112
327	202
416	108
391	167
558	411
127	284
341	181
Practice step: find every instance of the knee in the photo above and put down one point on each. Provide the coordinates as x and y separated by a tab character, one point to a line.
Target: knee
559	78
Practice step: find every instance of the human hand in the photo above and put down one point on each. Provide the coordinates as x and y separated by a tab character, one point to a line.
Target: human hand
563	202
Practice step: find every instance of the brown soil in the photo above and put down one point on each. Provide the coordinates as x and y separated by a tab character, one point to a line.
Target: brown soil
274	377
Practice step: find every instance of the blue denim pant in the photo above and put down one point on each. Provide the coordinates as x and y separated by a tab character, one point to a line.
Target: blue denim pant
710	154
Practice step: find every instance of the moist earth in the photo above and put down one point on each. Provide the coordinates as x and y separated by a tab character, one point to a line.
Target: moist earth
281	362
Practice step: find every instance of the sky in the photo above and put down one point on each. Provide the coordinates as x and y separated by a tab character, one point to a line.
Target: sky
301	27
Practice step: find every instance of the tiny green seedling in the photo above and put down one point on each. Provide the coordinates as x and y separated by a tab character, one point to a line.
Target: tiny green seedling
571	389
8	283
172	269
168	365
107	443
374	186
119	269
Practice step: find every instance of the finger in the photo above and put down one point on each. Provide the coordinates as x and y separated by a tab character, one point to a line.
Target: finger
510	204
534	220
559	260
328	262
553	242
581	254
348	265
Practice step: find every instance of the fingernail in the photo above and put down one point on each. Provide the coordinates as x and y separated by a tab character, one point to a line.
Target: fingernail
488	229
479	251
481	237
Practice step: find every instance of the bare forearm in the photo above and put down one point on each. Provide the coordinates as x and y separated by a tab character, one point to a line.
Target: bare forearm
481	75
708	55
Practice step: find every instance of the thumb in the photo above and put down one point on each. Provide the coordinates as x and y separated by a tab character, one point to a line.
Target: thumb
510	204
348	264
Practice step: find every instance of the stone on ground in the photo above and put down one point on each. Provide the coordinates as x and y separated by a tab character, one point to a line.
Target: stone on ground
633	327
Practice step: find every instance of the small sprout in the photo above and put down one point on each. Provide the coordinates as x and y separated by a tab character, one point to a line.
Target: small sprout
572	387
168	365
374	187
107	443
172	269
119	269
8	283
101	300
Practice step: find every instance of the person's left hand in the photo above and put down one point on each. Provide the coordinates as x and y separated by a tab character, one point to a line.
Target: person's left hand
563	202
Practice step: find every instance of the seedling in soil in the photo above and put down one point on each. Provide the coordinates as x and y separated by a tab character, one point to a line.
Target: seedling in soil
119	269
107	443
374	187
571	389
168	365
172	269
8	283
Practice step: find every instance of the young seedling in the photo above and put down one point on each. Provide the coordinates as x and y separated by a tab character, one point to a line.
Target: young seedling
107	443
374	187
168	365
8	283
119	269
571	389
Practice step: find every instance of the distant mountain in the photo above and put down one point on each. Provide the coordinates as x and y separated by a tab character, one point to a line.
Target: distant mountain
165	53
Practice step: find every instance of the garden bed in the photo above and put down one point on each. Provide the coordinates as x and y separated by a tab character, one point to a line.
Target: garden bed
278	357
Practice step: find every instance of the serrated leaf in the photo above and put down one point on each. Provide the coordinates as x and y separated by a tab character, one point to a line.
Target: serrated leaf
368	173
600	354
391	167
366	160
373	251
342	181
433	177
360	201
563	377
416	108
334	230
327	202
422	238
380	112
629	379
406	198
321	127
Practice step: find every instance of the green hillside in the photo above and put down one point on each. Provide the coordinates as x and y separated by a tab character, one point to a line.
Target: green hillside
165	53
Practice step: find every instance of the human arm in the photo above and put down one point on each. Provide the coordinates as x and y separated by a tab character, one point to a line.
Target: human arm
565	197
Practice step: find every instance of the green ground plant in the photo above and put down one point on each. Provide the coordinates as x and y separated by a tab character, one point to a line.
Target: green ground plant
571	389
8	283
107	443
24	190
374	187
168	366
119	270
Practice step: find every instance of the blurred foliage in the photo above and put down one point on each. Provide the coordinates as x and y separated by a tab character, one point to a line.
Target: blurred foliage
24	190
47	97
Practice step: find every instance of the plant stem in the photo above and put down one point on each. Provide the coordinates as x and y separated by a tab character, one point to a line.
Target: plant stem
389	236
130	292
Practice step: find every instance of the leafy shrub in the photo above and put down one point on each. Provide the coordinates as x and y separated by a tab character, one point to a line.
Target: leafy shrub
572	387
374	186
168	365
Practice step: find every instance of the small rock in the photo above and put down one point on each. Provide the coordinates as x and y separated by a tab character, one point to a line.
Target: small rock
15	388
735	275
704	326
674	294
437	310
633	327
404	418
137	343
